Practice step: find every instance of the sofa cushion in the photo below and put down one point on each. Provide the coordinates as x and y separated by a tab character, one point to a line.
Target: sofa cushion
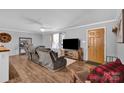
53	55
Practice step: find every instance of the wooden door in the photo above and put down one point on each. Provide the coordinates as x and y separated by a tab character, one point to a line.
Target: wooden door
96	45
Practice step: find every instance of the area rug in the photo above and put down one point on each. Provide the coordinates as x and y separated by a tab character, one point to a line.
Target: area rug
69	61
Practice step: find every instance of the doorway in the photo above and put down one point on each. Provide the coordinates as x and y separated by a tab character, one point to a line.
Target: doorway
22	42
96	45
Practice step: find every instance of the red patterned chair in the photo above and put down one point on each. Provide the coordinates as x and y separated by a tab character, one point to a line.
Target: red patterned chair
112	72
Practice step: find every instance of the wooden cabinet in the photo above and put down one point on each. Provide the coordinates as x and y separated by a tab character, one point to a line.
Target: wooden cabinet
74	54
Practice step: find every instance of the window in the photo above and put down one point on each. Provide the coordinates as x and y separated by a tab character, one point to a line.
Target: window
61	37
57	40
55	43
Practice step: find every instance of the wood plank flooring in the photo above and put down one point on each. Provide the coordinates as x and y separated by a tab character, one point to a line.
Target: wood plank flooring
29	72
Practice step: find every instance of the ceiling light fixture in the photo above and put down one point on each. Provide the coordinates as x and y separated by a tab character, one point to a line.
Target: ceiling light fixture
42	29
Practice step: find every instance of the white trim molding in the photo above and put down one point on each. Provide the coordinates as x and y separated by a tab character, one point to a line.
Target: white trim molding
96	23
2	29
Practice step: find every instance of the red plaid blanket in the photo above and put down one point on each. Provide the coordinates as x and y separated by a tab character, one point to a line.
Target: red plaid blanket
112	72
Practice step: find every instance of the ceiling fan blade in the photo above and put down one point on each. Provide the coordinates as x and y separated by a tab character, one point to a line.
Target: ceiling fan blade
33	20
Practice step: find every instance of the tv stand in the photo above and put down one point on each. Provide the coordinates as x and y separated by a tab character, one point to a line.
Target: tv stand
73	54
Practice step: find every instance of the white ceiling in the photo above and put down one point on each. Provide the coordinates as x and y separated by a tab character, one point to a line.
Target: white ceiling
31	20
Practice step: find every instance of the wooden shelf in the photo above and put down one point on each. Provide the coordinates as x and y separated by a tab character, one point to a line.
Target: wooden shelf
73	54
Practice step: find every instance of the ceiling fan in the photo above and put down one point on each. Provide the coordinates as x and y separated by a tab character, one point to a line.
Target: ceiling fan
43	28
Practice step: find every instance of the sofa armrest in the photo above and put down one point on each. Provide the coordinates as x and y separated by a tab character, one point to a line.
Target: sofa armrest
60	63
62	57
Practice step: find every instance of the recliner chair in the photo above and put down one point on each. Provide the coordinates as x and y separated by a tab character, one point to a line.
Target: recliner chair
50	60
31	52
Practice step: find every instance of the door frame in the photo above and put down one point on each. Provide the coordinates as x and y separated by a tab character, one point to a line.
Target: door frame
105	41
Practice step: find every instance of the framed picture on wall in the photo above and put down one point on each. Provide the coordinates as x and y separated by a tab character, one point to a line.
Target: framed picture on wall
22	42
120	31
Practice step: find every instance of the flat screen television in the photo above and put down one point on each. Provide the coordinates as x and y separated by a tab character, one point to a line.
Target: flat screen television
71	44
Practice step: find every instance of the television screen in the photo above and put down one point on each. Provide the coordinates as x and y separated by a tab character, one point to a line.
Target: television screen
71	44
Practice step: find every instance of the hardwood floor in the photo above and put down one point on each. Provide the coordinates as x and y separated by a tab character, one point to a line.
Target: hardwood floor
29	72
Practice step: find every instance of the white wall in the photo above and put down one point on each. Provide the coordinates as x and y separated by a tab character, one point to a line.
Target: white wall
120	51
82	32
112	48
13	45
47	40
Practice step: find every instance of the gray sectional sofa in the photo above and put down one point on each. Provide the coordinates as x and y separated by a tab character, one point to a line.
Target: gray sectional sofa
46	57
